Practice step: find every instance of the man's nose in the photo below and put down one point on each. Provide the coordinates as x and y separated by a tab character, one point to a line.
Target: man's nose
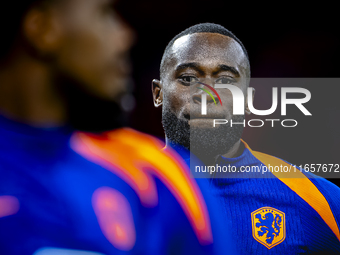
211	98
197	98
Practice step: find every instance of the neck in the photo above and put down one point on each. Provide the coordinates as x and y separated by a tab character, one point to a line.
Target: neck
27	92
178	147
235	151
167	142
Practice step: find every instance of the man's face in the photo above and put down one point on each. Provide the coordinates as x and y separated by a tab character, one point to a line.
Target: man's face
94	46
211	58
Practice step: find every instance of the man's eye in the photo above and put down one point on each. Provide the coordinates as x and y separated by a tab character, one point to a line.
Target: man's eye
189	79
224	80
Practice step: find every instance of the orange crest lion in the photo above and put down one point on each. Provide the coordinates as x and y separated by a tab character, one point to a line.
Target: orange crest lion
269	226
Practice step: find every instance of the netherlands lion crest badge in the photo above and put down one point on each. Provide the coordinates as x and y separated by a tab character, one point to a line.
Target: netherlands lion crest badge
269	226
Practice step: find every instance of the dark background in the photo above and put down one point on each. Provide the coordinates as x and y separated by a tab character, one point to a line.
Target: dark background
282	40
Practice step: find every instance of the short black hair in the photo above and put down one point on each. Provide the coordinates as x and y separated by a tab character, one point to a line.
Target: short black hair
201	28
11	17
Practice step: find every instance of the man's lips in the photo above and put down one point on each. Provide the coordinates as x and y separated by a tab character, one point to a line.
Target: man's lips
123	68
121	64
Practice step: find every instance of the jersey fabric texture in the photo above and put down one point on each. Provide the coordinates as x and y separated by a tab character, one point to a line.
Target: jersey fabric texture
292	212
67	192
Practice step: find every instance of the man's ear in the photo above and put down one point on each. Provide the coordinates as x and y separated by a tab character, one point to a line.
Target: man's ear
248	112
42	30
157	92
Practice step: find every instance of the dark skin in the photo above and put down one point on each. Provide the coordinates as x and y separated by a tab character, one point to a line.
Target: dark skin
209	57
83	39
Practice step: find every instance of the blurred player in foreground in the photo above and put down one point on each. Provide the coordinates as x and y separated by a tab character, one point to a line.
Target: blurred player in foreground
271	213
66	193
